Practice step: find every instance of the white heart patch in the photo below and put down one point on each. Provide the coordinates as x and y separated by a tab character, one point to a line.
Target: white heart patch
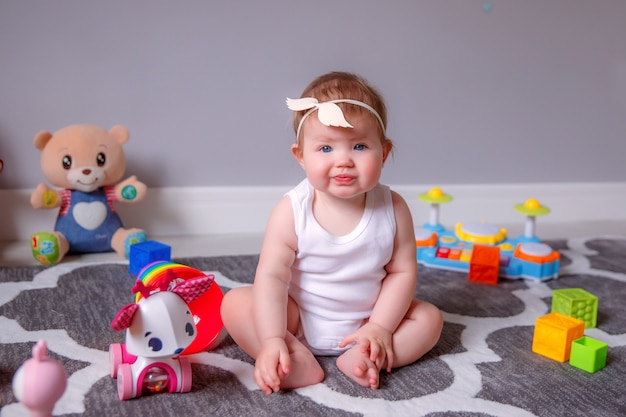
90	215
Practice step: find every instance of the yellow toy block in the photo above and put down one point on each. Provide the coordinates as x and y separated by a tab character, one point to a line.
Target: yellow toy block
554	334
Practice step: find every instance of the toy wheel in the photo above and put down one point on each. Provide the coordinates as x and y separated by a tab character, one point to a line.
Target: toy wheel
124	382
185	374
115	358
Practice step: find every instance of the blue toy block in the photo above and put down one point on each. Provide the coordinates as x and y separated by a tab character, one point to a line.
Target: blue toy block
144	253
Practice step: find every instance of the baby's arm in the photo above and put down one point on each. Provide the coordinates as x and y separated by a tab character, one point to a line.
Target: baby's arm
270	297
396	293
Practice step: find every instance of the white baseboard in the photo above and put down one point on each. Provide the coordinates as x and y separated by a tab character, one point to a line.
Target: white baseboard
196	211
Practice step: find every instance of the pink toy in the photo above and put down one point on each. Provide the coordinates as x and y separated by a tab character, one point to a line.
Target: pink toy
40	382
158	328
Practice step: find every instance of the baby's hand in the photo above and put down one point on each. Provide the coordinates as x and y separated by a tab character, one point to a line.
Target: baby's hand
374	340
272	365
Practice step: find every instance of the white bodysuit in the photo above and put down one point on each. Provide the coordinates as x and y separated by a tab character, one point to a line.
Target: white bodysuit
336	279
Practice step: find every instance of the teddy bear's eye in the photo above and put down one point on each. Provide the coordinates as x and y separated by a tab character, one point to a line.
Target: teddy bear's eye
101	158
67	162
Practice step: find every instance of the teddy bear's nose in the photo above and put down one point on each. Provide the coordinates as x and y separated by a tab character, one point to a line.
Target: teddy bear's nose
86	171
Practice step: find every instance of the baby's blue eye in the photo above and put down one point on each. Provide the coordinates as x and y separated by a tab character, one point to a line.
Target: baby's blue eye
326	149
359	147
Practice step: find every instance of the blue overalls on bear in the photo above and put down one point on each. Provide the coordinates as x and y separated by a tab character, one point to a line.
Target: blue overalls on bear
88	220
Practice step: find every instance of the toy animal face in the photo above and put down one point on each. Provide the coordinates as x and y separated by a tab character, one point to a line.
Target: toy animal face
82	157
162	326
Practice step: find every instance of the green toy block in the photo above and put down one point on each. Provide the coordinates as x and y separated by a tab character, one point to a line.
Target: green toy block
554	334
577	303
588	354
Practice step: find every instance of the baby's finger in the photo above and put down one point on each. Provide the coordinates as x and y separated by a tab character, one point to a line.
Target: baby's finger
374	352
348	340
390	359
261	383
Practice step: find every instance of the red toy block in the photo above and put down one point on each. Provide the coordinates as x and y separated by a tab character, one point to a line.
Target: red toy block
484	265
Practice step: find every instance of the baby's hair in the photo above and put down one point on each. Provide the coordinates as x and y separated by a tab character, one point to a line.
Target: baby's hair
345	85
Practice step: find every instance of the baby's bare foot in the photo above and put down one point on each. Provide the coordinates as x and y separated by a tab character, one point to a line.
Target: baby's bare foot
305	370
358	367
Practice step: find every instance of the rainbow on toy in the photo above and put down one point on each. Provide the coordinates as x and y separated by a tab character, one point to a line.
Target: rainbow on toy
206	309
522	257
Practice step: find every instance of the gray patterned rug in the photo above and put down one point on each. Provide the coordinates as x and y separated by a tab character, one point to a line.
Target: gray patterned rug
482	366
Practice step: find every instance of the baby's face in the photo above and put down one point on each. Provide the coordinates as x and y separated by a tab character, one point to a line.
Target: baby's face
344	162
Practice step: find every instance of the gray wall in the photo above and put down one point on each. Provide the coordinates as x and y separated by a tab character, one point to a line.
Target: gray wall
529	91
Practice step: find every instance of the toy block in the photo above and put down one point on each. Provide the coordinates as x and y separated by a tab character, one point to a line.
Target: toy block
588	354
554	334
144	253
485	264
577	303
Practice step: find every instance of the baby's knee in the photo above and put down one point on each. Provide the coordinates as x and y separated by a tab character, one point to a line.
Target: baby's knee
233	304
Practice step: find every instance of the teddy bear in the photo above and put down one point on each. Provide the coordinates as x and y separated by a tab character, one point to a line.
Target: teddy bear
86	163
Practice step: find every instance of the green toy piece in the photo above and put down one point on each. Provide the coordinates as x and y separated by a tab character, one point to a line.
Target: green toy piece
577	303
588	354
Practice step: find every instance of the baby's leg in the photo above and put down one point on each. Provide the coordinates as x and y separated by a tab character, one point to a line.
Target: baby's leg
305	369
417	333
237	317
357	366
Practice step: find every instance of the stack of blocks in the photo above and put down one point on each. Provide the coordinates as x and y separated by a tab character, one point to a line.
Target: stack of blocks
559	335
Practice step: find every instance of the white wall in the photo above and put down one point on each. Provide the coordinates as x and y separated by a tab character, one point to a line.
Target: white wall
531	91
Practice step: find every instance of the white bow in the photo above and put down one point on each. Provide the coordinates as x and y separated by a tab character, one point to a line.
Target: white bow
328	113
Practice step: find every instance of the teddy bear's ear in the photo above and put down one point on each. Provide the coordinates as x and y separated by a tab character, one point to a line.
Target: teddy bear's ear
120	133
41	139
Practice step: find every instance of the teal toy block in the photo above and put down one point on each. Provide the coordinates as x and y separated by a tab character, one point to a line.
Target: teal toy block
577	303
588	354
145	253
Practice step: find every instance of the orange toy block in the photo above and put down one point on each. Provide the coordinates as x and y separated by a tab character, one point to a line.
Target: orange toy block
485	264
554	334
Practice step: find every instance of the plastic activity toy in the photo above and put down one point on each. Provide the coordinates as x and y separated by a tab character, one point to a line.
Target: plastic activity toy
40	382
159	327
522	257
205	309
145	253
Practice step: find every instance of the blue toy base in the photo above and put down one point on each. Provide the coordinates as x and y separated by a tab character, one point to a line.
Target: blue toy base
520	258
